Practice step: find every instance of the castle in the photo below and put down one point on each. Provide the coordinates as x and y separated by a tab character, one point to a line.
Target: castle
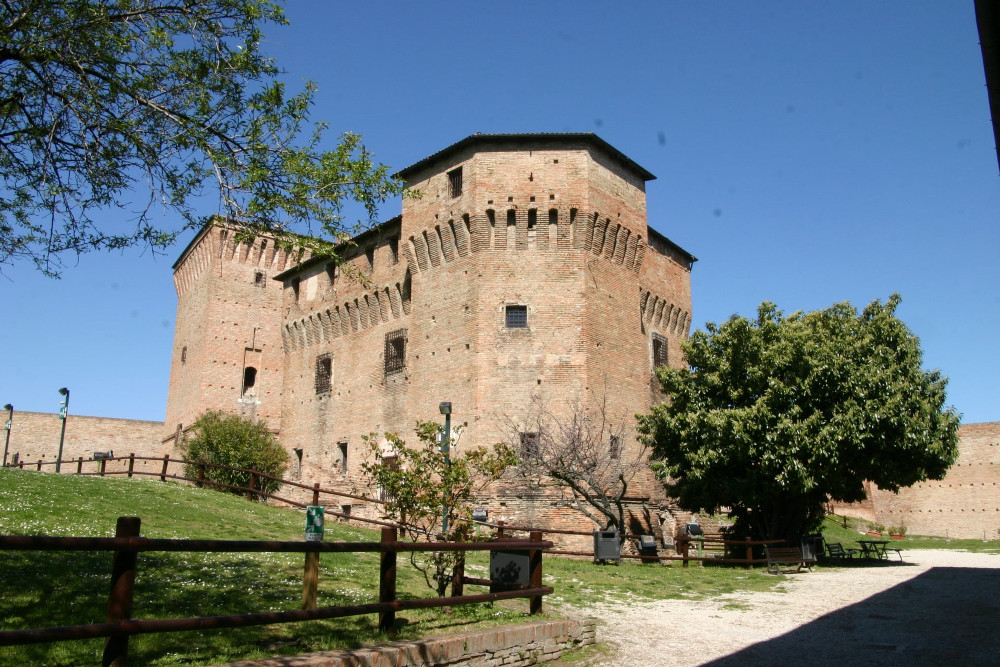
525	271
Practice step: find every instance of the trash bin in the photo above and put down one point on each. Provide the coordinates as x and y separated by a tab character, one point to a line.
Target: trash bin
647	549
607	547
812	546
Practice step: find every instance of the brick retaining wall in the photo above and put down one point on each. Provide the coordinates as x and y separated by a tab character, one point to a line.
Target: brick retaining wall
511	646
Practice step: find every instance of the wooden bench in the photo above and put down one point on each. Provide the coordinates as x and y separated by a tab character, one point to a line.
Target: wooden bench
787	556
837	550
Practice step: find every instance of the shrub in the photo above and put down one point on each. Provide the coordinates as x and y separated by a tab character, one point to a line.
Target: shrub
235	441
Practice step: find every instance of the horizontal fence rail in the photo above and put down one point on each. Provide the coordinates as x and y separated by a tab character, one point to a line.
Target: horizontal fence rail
714	545
127	544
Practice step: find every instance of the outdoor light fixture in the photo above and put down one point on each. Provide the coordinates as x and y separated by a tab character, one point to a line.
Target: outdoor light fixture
10	418
445	409
63	411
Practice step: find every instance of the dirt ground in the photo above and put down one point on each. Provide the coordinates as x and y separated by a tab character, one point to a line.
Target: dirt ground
939	607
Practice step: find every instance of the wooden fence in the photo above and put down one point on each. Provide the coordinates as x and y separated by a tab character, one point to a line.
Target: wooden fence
711	548
127	544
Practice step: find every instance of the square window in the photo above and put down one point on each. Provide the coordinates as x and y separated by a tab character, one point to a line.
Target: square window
395	351
324	374
455	182
516	317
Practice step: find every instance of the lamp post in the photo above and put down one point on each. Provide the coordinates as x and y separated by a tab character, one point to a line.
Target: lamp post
63	410
446	448
10	418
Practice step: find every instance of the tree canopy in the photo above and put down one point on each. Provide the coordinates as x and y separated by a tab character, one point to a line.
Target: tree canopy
139	104
779	414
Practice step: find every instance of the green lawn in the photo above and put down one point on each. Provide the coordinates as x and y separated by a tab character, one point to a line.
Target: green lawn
69	588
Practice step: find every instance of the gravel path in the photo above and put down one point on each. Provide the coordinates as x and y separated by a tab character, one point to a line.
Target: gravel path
938	608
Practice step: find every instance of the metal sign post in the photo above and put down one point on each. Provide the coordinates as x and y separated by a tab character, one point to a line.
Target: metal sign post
310	577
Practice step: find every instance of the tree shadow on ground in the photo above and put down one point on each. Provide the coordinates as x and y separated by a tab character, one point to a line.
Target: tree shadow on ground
944	616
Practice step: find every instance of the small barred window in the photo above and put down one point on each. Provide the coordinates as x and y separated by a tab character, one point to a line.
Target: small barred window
324	374
395	351
516	317
659	351
455	182
529	446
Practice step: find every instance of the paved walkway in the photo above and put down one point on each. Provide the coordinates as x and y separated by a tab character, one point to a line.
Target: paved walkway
939	608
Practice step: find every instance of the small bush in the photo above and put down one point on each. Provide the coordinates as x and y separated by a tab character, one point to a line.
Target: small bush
235	441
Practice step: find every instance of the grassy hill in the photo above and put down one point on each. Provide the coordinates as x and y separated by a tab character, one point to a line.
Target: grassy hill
67	588
40	589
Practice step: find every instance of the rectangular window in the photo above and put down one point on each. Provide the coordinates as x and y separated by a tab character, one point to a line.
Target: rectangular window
615	449
342	449
295	287
516	317
395	351
258	279
659	351
529	446
455	182
324	374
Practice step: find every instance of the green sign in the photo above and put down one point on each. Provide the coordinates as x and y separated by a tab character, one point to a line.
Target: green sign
314	523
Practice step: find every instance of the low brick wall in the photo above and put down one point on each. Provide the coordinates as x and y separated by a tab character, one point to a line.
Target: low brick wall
512	646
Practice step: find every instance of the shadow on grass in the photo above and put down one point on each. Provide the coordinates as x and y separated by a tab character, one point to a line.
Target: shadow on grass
944	616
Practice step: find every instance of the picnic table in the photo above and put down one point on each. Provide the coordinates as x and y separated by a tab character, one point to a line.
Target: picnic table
877	550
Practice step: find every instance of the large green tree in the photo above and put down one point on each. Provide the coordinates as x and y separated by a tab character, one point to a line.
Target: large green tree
778	414
142	104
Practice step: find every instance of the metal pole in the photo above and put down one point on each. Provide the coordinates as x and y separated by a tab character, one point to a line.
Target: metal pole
10	419
63	411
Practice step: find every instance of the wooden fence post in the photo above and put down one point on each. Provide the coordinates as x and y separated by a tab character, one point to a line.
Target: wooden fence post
749	554
253	486
500	529
163	471
104	464
39	465
387	586
685	541
316	494
120	599
131	464
458	575
201	473
79	465
310	580
535	563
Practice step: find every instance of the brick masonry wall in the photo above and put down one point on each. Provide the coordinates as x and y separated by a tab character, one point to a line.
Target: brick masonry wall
965	504
513	646
34	436
562	233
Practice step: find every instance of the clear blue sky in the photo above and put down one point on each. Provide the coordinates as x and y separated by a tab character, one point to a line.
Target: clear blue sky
806	153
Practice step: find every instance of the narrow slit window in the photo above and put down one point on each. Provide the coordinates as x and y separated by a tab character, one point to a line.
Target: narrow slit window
532	218
249	379
615	447
516	317
342	449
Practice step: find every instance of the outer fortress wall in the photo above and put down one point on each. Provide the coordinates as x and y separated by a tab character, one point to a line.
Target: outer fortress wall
34	436
965	504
